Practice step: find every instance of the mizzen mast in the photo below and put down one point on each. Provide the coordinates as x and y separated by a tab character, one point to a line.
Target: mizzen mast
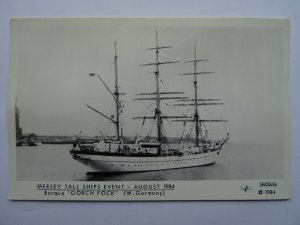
117	94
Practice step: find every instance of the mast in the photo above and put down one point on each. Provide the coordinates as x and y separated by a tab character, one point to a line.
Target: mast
196	116
117	94
196	101
158	114
157	94
157	110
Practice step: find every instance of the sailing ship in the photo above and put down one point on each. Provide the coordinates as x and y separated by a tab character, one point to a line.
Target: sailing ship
113	155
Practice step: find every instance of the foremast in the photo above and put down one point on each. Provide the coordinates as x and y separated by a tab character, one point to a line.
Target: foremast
196	117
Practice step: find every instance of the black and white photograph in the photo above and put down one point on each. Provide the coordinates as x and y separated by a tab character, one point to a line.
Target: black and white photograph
146	108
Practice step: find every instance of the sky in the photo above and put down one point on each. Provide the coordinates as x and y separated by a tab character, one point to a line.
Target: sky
55	57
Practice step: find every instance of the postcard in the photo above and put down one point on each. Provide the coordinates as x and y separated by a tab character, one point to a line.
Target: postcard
119	109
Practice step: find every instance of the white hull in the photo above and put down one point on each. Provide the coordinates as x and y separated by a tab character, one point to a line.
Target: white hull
101	163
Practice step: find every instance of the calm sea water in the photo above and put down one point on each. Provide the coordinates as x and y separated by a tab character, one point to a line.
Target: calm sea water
236	161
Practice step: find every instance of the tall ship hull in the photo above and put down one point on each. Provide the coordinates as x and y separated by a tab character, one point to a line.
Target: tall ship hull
151	153
118	164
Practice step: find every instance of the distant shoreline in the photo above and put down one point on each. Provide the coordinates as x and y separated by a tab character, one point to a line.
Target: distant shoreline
63	139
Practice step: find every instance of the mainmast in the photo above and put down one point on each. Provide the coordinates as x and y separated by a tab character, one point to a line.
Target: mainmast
157	110
158	94
196	116
158	114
